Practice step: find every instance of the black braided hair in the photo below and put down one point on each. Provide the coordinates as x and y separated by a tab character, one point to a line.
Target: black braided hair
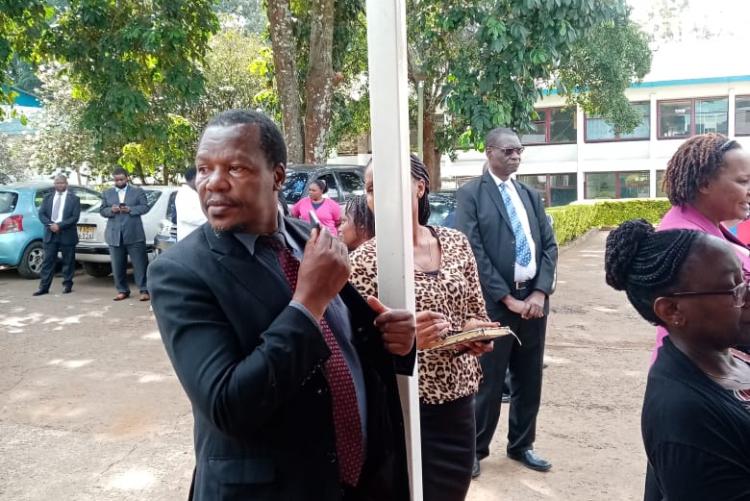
361	216
646	263
419	173
694	164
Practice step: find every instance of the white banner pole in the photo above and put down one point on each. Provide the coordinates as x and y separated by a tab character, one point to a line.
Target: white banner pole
389	119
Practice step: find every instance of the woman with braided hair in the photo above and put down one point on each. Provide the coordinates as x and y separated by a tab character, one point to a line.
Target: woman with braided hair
696	413
448	300
357	222
708	181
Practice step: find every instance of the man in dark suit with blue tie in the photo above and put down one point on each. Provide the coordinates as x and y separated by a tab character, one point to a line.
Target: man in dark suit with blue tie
59	213
123	206
516	255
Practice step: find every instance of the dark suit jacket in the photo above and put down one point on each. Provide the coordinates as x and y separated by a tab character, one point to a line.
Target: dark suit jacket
481	216
251	366
68	234
128	226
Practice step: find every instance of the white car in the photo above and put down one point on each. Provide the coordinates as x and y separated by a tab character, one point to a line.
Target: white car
92	250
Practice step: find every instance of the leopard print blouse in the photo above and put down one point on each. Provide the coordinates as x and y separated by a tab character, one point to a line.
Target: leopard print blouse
453	291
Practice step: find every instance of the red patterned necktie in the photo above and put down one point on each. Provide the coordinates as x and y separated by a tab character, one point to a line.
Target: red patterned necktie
346	419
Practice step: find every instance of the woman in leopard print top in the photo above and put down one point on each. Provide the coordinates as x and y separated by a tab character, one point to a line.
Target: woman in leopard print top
448	300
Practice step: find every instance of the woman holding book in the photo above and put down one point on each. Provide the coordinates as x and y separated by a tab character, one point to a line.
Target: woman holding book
448	300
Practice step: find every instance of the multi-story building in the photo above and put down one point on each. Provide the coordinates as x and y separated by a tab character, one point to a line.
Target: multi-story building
692	89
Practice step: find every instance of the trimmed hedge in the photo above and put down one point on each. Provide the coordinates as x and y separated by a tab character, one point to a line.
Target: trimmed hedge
572	221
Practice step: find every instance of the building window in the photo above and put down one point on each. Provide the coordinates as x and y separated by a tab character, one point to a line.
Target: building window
659	181
555	189
742	115
617	185
553	126
598	129
687	117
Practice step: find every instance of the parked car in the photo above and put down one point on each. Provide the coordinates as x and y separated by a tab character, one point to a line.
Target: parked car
21	231
92	250
343	181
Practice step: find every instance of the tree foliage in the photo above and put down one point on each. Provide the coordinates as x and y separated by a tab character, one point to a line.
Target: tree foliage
486	63
22	29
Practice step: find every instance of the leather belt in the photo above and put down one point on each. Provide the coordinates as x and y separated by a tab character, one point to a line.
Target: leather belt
521	285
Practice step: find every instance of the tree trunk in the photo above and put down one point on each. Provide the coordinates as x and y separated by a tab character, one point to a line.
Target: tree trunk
285	64
431	153
319	83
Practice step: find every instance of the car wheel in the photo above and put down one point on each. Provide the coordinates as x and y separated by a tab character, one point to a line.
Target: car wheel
31	261
98	270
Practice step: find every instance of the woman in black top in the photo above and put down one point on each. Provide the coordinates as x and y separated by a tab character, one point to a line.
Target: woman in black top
696	417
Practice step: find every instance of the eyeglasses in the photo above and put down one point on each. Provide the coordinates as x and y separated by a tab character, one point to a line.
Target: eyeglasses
507	151
738	293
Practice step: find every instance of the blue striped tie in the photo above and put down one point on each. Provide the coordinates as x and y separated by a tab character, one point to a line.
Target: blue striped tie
523	251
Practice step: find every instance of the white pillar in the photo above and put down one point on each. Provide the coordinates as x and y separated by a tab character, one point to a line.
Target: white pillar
389	119
732	113
653	126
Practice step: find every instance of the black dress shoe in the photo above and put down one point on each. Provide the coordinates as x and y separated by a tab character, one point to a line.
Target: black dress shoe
530	460
68	289
40	292
475	470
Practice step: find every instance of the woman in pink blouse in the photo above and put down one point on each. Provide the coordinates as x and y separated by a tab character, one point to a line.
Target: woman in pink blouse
327	210
708	181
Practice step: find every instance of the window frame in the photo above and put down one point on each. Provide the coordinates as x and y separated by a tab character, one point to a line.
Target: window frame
547	114
618	183
693	123
743	96
619	139
547	194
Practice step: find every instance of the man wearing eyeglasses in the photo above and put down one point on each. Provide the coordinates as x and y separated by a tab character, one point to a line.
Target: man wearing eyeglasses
516	253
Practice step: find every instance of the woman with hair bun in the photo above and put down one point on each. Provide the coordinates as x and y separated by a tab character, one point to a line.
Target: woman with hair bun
327	210
708	181
696	411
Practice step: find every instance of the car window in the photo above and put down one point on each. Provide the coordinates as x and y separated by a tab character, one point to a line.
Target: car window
333	187
171	210
40	194
89	198
351	183
151	197
294	186
442	211
8	201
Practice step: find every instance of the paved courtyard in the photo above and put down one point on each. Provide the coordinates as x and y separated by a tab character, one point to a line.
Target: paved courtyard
91	410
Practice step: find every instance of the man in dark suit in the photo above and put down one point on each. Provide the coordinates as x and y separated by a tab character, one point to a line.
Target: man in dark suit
123	206
59	214
290	372
516	255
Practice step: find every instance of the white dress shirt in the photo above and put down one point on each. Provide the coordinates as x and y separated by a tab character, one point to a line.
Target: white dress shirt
528	272
190	214
62	197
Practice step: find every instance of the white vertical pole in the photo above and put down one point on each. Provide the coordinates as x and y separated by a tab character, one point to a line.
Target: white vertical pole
389	124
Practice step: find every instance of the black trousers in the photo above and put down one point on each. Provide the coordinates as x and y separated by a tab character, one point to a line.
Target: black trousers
524	363
139	259
447	448
51	249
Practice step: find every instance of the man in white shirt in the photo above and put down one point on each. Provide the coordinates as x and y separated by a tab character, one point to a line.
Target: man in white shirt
516	256
59	213
188	206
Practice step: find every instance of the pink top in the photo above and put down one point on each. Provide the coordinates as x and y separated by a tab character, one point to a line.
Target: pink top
329	213
688	218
